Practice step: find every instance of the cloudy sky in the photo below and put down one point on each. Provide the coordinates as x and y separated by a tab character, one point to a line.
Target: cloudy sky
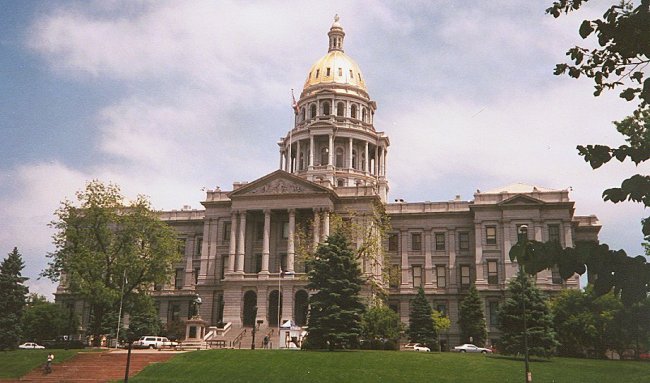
165	98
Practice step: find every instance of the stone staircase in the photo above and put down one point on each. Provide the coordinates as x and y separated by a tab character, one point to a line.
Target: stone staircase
96	367
241	337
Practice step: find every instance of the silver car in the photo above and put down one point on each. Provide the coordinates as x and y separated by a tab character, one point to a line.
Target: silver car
467	347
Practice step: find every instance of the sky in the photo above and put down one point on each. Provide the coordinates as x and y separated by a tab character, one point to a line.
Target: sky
168	98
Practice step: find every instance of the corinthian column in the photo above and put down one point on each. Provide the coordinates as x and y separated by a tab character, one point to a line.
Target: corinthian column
241	242
291	241
266	242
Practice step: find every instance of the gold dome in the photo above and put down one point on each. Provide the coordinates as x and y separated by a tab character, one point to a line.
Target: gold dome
336	67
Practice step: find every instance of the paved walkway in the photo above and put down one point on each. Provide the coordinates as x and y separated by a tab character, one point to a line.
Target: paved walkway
97	367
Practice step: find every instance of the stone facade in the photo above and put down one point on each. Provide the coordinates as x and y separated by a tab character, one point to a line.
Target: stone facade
241	250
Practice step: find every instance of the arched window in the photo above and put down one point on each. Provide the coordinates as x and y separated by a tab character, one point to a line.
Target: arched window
340	109
354	159
339	158
353	111
301	307
302	160
340	182
326	108
250	302
312	111
362	166
364	115
324	154
275	308
302	114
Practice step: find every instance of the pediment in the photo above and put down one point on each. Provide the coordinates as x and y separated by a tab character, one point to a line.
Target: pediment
521	199
279	183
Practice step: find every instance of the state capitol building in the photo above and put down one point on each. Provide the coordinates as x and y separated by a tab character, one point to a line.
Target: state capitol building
242	250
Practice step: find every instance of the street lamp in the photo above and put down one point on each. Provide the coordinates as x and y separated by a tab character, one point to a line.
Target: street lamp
523	239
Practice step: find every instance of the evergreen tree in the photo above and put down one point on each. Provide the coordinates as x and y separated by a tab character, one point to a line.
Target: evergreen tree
421	326
13	298
472	319
539	321
335	307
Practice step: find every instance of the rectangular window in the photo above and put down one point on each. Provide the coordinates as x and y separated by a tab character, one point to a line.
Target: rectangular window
491	235
340	72
416	241
464	276
328	72
259	231
493	308
417	276
224	266
555	275
554	233
226	231
178	279
520	230
181	246
197	248
493	272
440	241
393	241
285	230
258	263
283	261
196	275
394	277
441	308
441	276
463	240
174	314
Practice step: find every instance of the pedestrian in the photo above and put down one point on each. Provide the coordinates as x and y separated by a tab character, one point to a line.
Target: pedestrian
266	341
48	364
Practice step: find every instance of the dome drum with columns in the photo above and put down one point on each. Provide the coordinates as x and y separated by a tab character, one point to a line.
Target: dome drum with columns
334	142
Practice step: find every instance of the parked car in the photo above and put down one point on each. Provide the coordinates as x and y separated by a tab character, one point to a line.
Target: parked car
467	347
419	347
152	341
30	346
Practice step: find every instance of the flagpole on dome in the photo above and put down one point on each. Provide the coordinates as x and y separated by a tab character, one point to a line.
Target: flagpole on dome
294	105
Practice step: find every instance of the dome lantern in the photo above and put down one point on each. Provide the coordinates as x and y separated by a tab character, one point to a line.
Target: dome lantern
336	35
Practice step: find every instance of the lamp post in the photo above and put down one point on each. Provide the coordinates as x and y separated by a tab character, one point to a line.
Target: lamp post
254	327
281	274
523	239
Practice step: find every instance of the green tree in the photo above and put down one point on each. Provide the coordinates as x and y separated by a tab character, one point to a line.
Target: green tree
574	322
335	307
13	298
472	319
421	326
107	249
619	61
441	323
380	322
539	321
143	317
45	320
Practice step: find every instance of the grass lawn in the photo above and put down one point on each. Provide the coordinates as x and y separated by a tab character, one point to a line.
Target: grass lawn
14	364
378	366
